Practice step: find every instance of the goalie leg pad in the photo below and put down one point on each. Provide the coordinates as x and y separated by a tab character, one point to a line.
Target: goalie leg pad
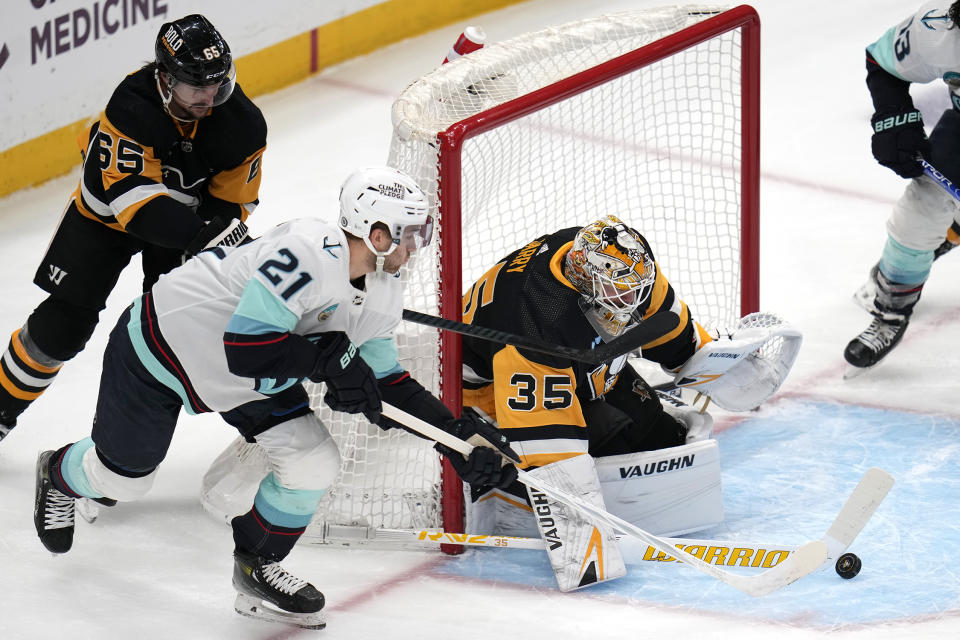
581	552
667	492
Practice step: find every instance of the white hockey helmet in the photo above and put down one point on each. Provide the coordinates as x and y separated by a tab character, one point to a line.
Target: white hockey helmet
386	195
610	265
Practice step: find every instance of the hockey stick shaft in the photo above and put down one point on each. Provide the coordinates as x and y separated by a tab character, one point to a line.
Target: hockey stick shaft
631	341
716	552
494	335
940	179
804	560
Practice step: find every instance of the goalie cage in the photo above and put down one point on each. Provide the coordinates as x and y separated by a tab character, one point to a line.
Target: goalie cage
652	115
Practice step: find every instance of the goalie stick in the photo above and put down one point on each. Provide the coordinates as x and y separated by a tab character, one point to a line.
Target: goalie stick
653	327
858	509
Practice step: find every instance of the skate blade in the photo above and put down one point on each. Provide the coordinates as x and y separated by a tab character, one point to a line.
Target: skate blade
850	372
252	607
88	509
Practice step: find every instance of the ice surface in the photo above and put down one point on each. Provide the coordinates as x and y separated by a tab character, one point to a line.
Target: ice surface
160	568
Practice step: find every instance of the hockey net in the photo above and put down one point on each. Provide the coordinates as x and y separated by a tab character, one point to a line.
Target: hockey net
651	115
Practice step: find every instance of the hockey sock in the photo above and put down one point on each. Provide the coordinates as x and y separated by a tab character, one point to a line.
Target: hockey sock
253	533
895	297
25	373
56	472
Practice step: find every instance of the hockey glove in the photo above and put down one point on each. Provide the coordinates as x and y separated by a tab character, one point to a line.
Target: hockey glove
219	232
489	464
351	383
898	139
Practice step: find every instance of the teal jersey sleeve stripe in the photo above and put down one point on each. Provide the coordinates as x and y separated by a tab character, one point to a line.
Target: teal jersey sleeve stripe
250	327
882	52
259	305
148	360
382	356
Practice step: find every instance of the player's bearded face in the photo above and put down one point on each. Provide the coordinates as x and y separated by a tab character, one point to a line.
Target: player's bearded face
187	101
396	259
195	101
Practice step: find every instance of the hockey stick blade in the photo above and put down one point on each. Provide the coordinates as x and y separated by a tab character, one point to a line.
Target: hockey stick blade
803	561
651	328
857	511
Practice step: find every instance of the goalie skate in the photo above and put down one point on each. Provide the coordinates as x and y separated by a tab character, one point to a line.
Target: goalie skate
266	591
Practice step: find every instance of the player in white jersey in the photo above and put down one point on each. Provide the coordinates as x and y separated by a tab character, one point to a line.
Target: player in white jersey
925	222
236	331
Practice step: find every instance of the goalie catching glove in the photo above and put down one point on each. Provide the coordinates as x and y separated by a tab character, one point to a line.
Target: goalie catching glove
740	370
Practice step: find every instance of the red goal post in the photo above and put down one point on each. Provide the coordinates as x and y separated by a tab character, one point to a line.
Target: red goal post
652	115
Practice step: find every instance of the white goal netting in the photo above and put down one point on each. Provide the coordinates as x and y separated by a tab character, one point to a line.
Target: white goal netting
562	126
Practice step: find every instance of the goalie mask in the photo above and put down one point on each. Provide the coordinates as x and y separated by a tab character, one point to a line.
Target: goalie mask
610	265
390	197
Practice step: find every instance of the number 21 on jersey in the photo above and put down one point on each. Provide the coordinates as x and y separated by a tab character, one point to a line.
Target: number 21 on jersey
276	270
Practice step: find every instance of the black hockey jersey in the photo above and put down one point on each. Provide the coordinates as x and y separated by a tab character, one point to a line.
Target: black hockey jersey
138	158
538	396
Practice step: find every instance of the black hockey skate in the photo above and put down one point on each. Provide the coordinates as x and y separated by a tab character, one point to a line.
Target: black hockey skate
875	342
52	510
267	592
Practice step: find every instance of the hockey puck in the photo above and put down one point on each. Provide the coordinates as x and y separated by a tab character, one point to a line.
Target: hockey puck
848	565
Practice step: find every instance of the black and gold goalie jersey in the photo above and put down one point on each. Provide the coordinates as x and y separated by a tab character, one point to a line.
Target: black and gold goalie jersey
139	160
537	398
